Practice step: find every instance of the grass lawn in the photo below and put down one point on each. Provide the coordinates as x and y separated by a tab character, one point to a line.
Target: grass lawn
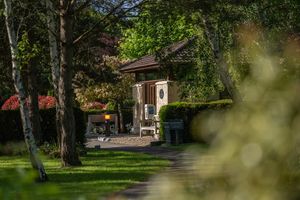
102	172
188	146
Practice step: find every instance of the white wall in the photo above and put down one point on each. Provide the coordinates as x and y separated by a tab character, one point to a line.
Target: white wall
170	93
138	109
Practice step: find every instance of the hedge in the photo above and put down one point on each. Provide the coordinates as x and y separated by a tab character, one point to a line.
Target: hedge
187	112
11	125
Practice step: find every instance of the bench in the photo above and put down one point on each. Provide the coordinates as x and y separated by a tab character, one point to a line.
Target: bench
94	119
148	125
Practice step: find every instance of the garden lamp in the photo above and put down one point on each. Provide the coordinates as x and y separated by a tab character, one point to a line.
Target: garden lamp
107	118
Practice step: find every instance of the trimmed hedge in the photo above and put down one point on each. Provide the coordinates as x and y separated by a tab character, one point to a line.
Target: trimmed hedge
187	112
11	125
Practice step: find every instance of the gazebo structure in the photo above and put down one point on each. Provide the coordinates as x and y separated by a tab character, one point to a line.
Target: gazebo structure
154	76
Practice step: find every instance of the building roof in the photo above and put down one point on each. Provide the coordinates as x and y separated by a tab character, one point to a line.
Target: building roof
179	52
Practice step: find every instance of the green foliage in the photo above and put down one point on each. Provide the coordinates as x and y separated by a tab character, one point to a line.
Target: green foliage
187	112
116	90
198	81
103	172
27	51
19	183
11	126
154	30
255	154
50	150
128	116
111	106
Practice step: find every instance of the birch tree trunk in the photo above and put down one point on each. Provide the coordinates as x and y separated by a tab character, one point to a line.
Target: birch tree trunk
69	154
54	61
29	139
213	39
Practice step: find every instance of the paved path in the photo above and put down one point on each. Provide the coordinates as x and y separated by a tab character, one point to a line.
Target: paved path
178	162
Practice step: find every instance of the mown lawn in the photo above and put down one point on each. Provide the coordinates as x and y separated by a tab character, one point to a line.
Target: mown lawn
102	172
188	147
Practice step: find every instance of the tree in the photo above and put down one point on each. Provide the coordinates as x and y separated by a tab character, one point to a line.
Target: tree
220	21
6	83
203	18
117	91
54	61
67	11
18	83
28	61
62	42
69	154
156	27
31	59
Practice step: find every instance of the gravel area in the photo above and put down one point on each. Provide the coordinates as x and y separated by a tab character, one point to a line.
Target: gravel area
124	139
132	140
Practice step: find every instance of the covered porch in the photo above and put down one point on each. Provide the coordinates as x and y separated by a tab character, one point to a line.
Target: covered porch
155	83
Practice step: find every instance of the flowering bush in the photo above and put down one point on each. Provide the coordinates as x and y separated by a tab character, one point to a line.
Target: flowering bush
45	102
11	104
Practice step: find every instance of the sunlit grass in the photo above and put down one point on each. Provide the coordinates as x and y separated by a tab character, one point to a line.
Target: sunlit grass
203	147
102	172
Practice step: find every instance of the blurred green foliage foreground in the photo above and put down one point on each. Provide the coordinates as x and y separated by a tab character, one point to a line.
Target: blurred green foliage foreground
103	172
256	152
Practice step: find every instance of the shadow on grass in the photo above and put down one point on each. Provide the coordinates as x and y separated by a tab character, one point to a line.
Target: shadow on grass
96	176
102	172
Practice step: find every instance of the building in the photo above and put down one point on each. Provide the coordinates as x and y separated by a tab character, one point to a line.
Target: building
155	83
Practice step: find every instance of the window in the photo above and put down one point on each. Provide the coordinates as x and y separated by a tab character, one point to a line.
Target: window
148	76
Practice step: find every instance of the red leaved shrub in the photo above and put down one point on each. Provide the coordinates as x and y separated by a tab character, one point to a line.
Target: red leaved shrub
45	102
12	103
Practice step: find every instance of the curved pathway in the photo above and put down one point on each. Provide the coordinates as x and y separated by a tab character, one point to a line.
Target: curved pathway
178	161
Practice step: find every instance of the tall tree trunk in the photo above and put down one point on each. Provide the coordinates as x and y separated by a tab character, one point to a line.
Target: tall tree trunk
29	139
34	113
69	154
213	39
121	121
33	96
54	62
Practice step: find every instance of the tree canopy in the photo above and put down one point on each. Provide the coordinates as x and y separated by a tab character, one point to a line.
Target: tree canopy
218	26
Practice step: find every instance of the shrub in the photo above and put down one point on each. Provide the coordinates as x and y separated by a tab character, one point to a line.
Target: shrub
45	102
11	104
186	112
48	125
94	105
11	126
111	106
13	149
128	116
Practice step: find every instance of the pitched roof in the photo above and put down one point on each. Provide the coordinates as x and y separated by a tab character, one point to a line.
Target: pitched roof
179	52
